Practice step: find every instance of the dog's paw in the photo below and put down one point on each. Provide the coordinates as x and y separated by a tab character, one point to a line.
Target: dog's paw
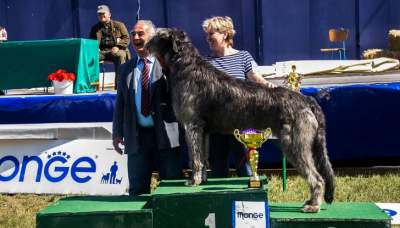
308	202
190	183
197	181
310	209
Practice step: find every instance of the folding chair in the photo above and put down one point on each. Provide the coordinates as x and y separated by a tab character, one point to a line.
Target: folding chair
103	72
337	36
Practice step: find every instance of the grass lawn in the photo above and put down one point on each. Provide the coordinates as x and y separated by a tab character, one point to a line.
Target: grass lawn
20	210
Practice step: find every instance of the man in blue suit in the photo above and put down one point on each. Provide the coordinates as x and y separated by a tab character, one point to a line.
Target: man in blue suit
143	118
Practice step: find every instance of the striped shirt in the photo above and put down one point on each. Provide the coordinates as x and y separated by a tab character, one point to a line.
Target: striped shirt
236	65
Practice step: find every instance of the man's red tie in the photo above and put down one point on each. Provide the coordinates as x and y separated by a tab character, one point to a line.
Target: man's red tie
145	88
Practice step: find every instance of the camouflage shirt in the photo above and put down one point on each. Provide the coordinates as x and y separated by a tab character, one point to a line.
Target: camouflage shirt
110	35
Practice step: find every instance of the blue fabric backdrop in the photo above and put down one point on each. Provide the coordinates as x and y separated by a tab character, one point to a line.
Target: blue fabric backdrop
56	108
272	30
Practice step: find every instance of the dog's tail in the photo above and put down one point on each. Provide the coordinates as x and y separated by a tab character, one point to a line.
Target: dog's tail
320	153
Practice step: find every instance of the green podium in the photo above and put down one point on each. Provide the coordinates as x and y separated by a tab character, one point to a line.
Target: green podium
171	205
96	212
209	205
176	205
343	215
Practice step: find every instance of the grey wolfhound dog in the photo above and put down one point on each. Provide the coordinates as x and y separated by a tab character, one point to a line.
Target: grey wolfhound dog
206	100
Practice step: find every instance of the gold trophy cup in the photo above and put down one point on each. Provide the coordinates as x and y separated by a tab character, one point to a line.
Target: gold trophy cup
293	80
253	139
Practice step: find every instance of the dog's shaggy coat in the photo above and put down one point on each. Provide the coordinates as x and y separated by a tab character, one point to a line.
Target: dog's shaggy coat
206	100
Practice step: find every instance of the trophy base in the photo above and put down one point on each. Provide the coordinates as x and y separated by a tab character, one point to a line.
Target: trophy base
255	184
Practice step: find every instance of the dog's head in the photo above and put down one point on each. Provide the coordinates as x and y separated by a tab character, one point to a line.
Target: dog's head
166	43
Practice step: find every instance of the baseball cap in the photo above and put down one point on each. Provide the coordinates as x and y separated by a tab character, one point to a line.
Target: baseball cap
103	9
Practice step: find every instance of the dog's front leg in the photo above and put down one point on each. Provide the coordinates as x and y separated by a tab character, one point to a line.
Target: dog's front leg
205	156
195	141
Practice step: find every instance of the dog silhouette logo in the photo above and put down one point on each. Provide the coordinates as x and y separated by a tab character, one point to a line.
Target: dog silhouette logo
111	177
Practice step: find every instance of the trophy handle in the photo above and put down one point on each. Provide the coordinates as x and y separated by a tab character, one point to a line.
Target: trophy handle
266	133
236	133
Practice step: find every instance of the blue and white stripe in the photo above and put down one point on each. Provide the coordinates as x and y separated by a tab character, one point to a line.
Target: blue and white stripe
236	65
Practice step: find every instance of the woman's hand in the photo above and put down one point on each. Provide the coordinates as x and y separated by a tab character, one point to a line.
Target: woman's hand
253	76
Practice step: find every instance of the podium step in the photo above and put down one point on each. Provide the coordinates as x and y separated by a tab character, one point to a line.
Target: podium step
343	215
209	205
99	212
177	205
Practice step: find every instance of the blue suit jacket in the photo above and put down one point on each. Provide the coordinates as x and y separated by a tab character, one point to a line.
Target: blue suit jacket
125	120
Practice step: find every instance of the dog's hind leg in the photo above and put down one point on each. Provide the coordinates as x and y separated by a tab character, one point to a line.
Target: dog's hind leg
297	146
306	131
195	141
307	170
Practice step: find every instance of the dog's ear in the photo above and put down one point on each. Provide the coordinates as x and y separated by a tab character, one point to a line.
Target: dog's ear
174	40
175	45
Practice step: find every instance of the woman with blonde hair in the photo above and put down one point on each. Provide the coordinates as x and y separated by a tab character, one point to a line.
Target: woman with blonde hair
236	63
220	32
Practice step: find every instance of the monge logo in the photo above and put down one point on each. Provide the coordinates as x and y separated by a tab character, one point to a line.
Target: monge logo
249	215
56	167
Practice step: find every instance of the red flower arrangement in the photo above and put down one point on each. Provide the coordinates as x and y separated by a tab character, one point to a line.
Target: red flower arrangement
61	75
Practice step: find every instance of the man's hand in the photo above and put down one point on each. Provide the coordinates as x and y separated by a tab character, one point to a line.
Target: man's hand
114	50
116	142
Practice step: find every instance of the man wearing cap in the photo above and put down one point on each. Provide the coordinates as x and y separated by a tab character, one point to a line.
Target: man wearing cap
144	121
113	39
